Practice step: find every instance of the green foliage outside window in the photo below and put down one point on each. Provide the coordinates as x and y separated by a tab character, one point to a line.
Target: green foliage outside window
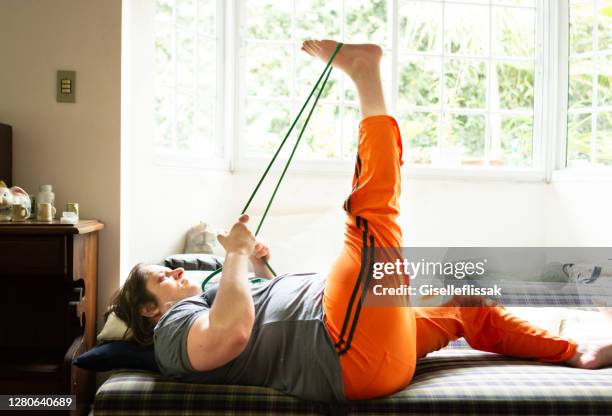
589	122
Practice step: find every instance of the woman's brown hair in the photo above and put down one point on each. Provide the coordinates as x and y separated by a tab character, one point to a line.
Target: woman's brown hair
128	302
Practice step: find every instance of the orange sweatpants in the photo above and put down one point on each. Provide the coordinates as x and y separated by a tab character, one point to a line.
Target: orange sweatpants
378	346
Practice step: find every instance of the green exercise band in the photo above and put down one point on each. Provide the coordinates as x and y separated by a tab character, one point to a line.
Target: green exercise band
324	76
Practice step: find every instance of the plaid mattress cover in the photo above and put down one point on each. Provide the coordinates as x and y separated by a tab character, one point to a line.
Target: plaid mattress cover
453	381
556	294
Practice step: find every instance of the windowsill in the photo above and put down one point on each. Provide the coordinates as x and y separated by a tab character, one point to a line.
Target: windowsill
325	168
328	168
182	161
585	174
475	174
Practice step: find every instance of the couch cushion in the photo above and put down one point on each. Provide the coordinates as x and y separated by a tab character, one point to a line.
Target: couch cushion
450	381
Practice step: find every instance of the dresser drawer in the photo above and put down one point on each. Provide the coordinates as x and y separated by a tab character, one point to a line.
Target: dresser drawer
33	254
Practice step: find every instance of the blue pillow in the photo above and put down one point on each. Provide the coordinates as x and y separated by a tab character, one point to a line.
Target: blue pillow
118	354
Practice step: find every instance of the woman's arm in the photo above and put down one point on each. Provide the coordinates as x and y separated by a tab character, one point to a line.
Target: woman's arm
221	335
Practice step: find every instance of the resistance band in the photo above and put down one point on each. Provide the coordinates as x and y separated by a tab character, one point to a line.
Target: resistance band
324	76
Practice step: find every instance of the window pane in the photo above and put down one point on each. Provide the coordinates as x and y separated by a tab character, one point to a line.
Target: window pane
164	10
512	85
319	19
513	32
185	114
420	135
580	83
266	125
206	124
185	75
604	24
186	59
604	138
268	19
186	13
419	26
268	71
581	27
207	67
465	83
351	120
511	141
321	138
206	18
604	70
308	70
164	118
419	81
463	138
467	29
164	47
579	139
366	21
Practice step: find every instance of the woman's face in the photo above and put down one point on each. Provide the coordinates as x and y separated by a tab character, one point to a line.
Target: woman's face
169	286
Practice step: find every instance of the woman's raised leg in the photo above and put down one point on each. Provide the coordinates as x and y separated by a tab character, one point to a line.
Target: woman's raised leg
376	346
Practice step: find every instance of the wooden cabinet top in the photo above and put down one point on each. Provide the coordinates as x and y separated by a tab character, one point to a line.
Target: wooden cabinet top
39	227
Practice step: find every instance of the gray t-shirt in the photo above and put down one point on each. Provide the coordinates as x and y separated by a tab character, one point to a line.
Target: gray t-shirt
289	349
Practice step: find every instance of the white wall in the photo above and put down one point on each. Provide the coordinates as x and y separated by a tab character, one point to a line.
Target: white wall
304	227
305	224
75	147
159	202
579	213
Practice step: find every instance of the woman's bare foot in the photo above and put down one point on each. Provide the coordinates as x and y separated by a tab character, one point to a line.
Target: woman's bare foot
361	62
352	59
592	354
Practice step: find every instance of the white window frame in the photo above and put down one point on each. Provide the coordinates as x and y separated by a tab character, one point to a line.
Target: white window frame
220	160
534	173
240	162
537	173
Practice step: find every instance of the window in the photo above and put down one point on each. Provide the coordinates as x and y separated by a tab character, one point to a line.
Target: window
460	77
187	100
468	80
589	119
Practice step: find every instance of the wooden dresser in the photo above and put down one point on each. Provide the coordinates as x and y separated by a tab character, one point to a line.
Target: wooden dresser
48	281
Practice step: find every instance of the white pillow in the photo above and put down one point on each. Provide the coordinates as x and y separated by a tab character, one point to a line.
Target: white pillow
569	322
114	329
586	325
548	318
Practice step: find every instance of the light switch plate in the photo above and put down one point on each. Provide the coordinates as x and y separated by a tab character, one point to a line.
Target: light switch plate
65	89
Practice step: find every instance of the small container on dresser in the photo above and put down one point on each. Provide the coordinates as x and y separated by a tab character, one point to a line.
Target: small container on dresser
48	274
